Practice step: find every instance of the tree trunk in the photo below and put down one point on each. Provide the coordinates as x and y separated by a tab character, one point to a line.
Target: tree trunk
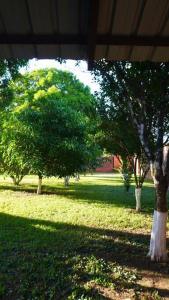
157	250
138	191
39	189
66	180
77	177
14	180
17	179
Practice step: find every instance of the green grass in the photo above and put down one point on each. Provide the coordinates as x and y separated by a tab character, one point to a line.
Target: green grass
71	243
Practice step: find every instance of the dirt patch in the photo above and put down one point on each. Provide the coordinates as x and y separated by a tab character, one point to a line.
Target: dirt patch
130	250
159	282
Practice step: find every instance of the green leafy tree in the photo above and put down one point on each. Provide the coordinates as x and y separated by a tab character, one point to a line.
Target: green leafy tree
9	69
142	91
64	83
11	162
52	137
119	137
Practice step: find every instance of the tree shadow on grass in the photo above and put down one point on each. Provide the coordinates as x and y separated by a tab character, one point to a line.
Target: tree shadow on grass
93	193
40	253
108	178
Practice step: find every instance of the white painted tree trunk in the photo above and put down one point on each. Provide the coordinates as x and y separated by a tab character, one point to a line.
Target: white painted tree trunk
39	189
157	249
138	198
66	180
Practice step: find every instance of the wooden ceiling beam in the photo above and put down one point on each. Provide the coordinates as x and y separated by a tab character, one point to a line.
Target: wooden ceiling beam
26	39
133	40
68	39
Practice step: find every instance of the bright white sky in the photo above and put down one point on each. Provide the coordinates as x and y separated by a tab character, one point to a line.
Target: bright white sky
80	70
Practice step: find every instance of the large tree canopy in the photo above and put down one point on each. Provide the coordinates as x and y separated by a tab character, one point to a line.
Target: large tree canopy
46	130
118	136
141	90
64	83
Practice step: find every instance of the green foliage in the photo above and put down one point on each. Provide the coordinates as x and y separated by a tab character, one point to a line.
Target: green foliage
46	137
9	69
117	134
55	82
12	162
2	289
50	126
126	171
138	92
98	272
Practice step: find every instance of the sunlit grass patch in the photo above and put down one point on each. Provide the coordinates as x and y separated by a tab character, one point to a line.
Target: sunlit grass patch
79	242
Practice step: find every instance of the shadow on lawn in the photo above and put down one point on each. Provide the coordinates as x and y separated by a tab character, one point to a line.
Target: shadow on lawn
32	245
94	193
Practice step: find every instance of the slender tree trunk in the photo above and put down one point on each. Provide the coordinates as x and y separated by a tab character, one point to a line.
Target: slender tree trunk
140	172
77	177
14	180
66	180
138	191
39	189
157	250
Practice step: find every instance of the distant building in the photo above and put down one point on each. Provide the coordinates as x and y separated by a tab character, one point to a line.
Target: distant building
109	165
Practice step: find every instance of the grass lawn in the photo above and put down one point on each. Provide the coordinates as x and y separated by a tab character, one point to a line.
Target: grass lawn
82	242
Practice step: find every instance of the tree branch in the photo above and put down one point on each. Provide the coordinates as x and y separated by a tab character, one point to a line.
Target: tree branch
140	126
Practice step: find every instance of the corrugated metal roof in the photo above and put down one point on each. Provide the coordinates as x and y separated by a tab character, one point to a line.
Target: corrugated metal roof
85	29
